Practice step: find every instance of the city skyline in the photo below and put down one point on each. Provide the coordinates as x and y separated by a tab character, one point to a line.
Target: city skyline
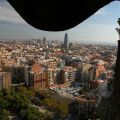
100	27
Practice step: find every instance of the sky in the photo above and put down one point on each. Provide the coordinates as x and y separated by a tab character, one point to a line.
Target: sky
100	27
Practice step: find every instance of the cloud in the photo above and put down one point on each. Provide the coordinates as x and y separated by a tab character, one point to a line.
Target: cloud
8	14
100	11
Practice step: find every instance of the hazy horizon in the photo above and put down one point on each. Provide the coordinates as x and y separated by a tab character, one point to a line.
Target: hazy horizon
99	28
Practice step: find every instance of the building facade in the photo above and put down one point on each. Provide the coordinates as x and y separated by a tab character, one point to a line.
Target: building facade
38	80
17	72
5	80
69	74
84	73
50	77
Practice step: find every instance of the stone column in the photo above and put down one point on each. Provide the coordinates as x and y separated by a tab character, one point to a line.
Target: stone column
116	83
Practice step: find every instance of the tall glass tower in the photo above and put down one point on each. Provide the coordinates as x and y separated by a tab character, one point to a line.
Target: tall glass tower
66	41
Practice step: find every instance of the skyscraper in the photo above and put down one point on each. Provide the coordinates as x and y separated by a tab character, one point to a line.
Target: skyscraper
66	41
44	40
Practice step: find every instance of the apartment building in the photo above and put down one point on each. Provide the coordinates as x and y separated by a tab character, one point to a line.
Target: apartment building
5	80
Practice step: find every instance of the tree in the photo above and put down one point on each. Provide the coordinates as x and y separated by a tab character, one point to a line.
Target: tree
31	113
22	114
47	116
4	114
20	102
26	92
51	103
62	110
4	103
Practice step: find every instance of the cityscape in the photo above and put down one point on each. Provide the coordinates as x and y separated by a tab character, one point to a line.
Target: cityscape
63	80
58	63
